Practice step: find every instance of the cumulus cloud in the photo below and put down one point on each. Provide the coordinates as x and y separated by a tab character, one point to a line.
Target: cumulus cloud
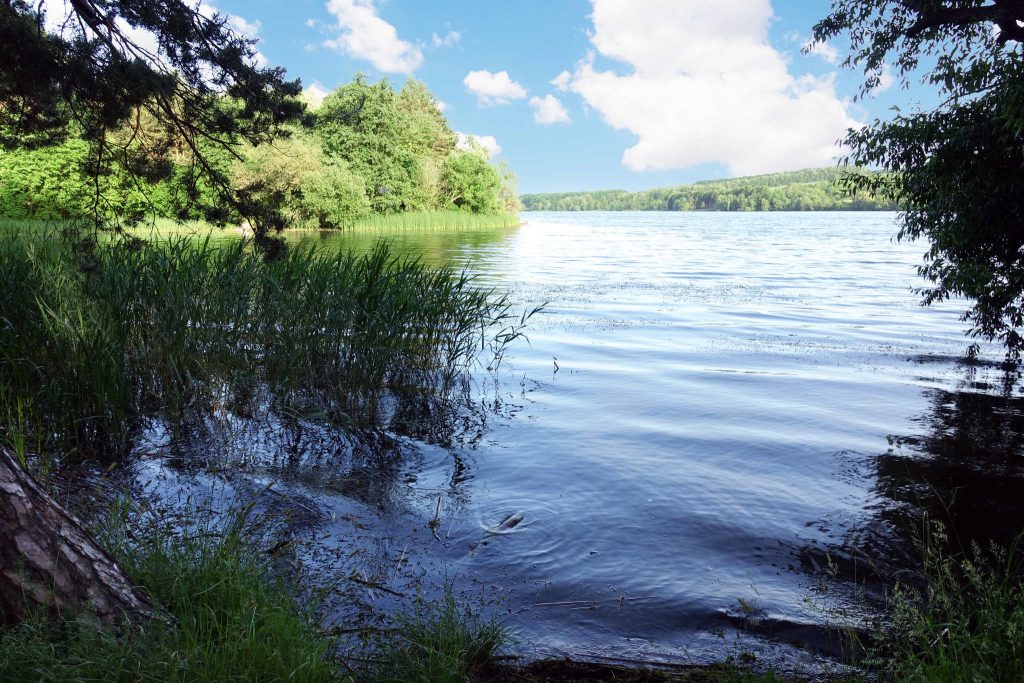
826	51
886	79
447	40
492	89
362	34
548	110
703	85
561	81
315	93
486	142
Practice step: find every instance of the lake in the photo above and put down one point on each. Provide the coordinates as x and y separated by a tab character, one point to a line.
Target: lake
724	428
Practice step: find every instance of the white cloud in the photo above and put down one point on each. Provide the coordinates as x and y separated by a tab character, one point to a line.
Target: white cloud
561	81
364	35
315	93
441	105
469	141
447	40
826	51
492	89
705	86
548	110
886	79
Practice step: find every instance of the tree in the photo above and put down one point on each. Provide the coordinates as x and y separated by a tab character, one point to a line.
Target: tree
470	182
109	62
310	189
362	124
957	169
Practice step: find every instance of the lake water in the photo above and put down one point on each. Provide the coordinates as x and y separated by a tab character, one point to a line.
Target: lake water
723	424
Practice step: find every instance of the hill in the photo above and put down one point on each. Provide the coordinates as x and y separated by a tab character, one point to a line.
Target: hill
816	189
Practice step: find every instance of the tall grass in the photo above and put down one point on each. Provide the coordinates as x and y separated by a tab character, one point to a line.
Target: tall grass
91	343
440	643
437	220
226	617
967	621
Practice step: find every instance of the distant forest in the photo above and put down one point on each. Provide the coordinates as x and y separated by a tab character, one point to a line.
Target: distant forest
816	189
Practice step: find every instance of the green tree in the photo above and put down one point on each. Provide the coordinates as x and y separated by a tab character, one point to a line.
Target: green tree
957	169
427	136
310	189
202	84
362	124
470	182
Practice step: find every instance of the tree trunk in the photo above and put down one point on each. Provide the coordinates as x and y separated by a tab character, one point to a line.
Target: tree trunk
49	562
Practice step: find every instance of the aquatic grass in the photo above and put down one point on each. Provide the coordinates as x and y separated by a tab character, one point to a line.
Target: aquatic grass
227	617
440	643
93	343
967	621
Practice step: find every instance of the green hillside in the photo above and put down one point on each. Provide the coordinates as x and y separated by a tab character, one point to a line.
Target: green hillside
816	189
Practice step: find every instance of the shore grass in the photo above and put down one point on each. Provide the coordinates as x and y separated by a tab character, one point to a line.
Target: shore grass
226	616
437	220
92	342
410	220
965	622
441	643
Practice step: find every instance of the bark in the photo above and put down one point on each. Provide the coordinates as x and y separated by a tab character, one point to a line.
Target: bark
49	562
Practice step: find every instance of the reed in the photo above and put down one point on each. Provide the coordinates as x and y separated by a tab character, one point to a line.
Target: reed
92	342
437	220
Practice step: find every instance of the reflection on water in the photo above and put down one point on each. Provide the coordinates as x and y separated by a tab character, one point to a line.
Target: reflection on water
965	468
694	439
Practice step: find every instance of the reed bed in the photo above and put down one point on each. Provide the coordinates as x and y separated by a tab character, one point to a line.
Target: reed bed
437	220
92	343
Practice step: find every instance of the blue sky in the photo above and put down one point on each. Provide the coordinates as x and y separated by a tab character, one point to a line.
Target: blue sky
651	92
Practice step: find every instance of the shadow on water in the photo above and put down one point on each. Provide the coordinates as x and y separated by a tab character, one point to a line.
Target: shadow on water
964	469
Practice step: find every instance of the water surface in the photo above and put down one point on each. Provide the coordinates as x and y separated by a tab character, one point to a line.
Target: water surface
721	424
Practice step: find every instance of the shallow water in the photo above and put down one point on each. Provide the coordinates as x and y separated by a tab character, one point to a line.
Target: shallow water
721	424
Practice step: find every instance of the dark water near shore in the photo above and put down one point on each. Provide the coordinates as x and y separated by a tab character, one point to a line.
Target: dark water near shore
721	424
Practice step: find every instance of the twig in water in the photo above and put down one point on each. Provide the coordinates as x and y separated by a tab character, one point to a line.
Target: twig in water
374	584
436	521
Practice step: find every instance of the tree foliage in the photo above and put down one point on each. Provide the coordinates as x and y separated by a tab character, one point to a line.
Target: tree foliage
957	169
120	65
366	148
470	182
807	190
309	188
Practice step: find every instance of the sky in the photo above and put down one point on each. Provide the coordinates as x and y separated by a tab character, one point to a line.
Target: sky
593	94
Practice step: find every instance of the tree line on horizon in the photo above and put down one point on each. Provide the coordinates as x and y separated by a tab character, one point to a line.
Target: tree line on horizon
817	189
366	149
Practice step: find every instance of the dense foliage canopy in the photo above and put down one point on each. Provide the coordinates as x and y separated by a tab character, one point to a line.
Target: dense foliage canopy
957	169
123	111
808	190
136	80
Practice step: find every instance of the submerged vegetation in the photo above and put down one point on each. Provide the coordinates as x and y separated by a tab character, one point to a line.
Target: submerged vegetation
820	189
